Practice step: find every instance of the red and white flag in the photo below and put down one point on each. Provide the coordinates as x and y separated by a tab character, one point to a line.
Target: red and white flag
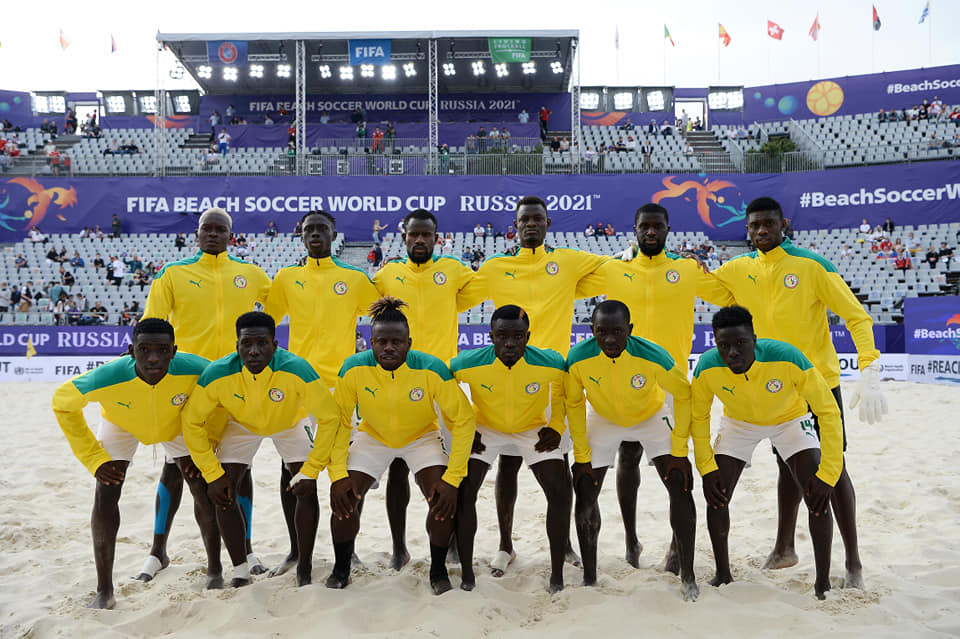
774	30
815	29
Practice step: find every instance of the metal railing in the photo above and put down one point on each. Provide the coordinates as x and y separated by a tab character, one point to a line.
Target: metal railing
791	162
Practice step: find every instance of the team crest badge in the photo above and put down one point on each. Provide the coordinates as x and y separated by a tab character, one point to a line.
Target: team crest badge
276	395
178	399
532	388
552	268
638	381
790	280
340	288
774	385
439	279
240	281
673	276
416	394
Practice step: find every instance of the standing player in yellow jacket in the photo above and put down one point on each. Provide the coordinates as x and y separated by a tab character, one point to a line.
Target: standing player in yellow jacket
767	388
510	383
624	378
432	286
788	290
543	281
394	389
202	296
660	289
323	298
267	392
140	396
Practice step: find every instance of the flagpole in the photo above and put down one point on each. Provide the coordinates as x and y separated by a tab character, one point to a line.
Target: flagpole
617	45
664	62
818	43
929	39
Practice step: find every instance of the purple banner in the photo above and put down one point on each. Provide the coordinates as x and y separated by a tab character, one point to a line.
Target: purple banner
932	325
15	106
851	94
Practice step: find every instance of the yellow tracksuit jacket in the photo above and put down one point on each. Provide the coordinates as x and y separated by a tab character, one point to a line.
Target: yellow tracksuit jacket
515	399
433	292
323	299
149	413
788	290
541	281
202	296
265	404
397	407
660	292
626	391
776	388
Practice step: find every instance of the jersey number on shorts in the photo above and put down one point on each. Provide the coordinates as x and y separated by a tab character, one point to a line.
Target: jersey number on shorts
667	420
807	426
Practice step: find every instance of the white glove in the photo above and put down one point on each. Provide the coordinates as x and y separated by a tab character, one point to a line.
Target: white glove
298	477
873	404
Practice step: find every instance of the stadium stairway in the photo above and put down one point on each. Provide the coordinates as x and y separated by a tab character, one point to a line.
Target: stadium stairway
355	254
713	157
196	141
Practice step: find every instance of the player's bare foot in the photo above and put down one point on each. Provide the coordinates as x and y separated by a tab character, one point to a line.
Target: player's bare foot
854	579
337	581
239	582
151	567
820	589
214	582
671	563
304	576
690	590
441	585
780	559
399	559
555	586
103	601
589	581
571	558
285	566
468	585
719	580
468	580
632	553
256	566
498	567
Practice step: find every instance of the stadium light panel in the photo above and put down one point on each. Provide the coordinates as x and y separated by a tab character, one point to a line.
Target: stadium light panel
725	99
655	101
256	71
230	74
556	67
623	101
148	103
502	70
388	72
410	69
325	71
366	70
283	70
449	68
116	104
478	67
205	71
346	72
589	101
41	104
181	104
529	68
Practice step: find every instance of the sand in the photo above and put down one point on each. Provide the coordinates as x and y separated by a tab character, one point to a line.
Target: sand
904	470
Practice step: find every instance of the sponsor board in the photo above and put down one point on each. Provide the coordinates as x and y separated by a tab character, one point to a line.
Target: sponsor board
935	369
47	369
893	366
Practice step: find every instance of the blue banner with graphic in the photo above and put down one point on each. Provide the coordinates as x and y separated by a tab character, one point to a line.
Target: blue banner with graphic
376	52
932	325
712	204
227	51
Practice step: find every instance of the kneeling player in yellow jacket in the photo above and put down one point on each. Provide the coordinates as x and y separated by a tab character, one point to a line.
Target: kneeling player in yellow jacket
625	378
510	383
264	389
140	399
765	386
394	389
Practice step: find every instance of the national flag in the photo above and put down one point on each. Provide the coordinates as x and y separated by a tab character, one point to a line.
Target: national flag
64	43
924	15
31	351
876	19
815	28
724	36
666	34
774	30
113	44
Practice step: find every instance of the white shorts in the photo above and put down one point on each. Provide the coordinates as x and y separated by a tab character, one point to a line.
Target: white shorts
239	445
516	444
121	445
605	437
371	457
738	439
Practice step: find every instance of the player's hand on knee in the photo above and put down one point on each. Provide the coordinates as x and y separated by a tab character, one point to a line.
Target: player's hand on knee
583	470
682	466
188	468
478	446
302	486
111	473
220	492
714	491
817	494
343	498
549	440
442	500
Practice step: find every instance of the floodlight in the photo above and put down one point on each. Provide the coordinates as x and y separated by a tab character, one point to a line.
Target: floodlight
656	101
181	104
529	67
449	68
556	67
410	69
148	103
589	100
725	98
116	104
205	71
623	101
478	68
388	72
230	74
346	72
366	70
256	70
325	71
502	70
283	70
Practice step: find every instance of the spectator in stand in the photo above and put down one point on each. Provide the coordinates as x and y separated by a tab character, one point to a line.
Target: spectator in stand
179	242
8	126
215	119
447	248
271	230
478	230
564	144
67	278
946	255
555	144
141	279
133	263
687	148
37	237
589	231
98	262
934	142
511	233
471	143
361	132
58	308
923	111
27	296
291	133
882	116
609	231
665	128
4	297
389	136
377	140
375	258
505	139
223	142
119	271
877	233
52	256
53	158
885	244
466	255
846	253
865	230
99	312
377	227
482	140
357	116
902	261
76	261
324	118
66	164
70	125
620	146
889	226
267	120
116	226
494	137
523	117
544	117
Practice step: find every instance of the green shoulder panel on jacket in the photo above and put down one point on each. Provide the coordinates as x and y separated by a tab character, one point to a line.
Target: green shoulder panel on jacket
650	351
351	267
771	350
473	358
710	359
422	361
284	360
546	357
796	251
223	367
116	371
365	358
193	259
584	350
187	364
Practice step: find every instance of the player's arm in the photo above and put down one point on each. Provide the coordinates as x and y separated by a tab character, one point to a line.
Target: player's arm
345	397
203	400
840	299
701	405
467	293
263	285
476	290
592	284
711	288
674	381
160	296
813	388
576	409
68	403
462	424
276	303
320	403
558	404
589	264
367	294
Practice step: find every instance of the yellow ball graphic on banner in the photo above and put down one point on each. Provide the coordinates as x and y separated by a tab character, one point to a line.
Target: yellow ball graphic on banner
824	98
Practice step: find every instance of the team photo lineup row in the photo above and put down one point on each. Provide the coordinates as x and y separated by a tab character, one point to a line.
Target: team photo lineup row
205	378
